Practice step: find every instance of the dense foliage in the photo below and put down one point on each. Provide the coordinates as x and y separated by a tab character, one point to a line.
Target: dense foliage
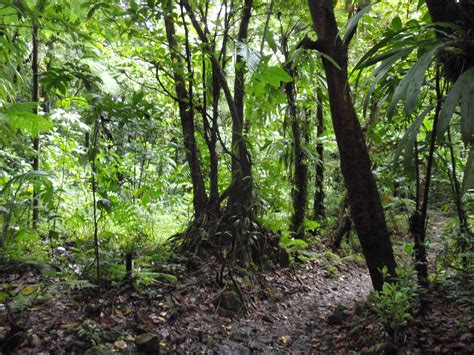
133	132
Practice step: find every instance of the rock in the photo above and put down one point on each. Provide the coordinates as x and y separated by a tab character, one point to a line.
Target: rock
225	350
265	340
147	342
230	302
277	296
243	333
111	335
302	343
339	315
229	347
35	341
283	257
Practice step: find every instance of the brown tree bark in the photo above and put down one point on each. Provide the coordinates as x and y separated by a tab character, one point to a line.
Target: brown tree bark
240	198
300	177
300	173
186	113
36	140
364	200
318	209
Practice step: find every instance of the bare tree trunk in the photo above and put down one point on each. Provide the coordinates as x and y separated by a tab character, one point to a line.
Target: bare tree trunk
418	219
240	198
319	180
343	225
463	222
187	117
36	140
300	173
364	200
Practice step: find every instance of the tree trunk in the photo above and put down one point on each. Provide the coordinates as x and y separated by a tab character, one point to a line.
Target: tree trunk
36	141
364	200
187	117
240	198
319	180
418	219
300	174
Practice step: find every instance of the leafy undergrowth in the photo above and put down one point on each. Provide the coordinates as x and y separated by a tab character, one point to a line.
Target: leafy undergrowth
444	325
319	307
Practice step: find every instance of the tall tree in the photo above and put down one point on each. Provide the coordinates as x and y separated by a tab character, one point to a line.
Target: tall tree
300	173
318	209
35	98
364	200
240	198
186	112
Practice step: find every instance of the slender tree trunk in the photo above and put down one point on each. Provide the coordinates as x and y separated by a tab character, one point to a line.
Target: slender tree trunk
364	200
36	140
463	221
463	224
210	136
94	200
187	117
319	179
240	195
300	173
417	176
240	198
419	217
300	178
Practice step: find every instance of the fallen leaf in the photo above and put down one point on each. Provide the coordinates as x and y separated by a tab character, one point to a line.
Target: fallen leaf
283	340
27	290
69	325
120	344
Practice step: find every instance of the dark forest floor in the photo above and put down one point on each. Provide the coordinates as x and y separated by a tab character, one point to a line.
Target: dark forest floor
300	310
321	306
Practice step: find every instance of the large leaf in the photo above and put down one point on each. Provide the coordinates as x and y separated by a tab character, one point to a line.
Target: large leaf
352	23
251	57
380	73
407	143
468	180
410	85
19	116
417	79
461	88
274	76
467	110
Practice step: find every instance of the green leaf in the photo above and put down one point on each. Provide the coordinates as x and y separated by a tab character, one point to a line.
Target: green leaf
167	277
410	85
467	110
271	40
330	59
380	73
417	79
397	24
451	102
407	143
468	180
19	116
352	23
274	76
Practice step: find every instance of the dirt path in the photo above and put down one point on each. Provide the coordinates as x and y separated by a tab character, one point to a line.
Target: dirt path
303	320
291	311
298	316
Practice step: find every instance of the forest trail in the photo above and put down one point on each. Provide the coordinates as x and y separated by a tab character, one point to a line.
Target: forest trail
302	312
318	307
296	309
